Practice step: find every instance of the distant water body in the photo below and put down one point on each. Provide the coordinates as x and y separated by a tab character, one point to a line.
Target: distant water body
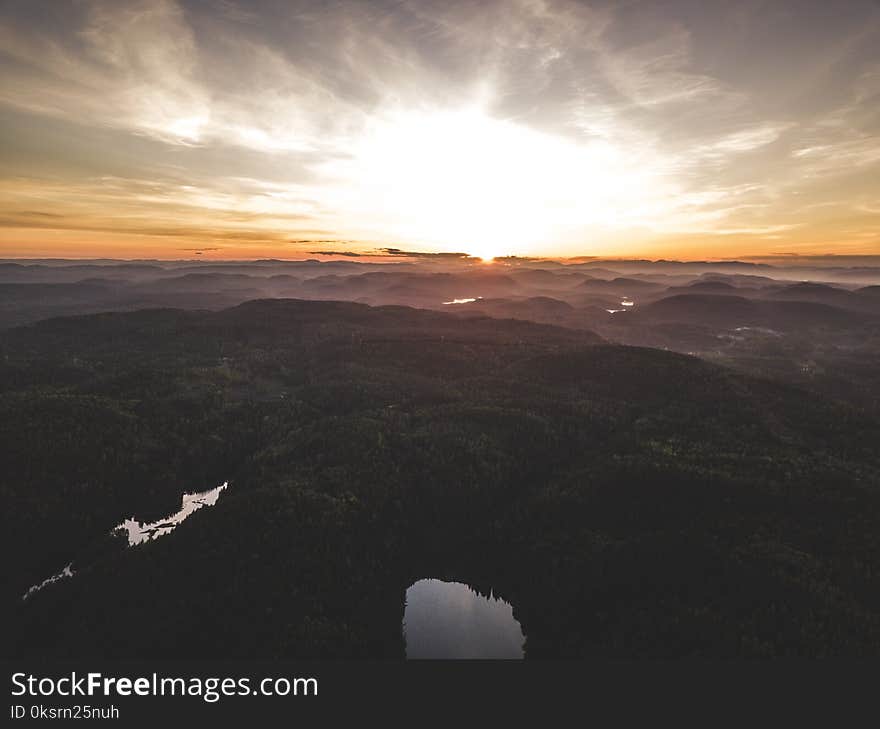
451	620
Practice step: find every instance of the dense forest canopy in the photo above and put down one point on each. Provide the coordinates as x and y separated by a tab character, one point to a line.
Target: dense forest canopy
628	501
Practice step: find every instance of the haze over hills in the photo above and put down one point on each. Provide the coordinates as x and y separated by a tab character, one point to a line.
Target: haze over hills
33	290
821	332
763	318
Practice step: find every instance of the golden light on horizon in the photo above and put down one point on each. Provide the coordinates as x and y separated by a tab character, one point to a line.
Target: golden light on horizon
463	180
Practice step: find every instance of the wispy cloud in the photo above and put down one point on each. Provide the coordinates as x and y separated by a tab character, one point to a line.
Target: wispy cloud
609	126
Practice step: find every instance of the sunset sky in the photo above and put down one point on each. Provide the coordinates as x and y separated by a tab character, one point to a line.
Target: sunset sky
273	129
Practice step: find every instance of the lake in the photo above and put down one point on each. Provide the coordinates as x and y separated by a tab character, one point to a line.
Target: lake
451	620
139	532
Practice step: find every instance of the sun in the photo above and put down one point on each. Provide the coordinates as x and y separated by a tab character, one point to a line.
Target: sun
486	253
464	181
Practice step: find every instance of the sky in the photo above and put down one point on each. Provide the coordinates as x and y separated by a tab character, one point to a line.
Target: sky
668	128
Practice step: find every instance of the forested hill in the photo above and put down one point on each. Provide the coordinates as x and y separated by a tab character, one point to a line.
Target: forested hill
628	501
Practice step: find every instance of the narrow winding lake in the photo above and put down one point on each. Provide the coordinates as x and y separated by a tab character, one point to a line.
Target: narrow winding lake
450	620
139	532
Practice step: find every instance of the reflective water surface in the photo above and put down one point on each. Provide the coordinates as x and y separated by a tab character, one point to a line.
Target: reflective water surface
66	572
190	503
451	620
461	301
138	532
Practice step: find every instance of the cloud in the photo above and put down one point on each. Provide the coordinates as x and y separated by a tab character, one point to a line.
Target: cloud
248	121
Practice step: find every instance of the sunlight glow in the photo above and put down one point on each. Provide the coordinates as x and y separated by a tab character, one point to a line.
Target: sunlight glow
187	129
463	181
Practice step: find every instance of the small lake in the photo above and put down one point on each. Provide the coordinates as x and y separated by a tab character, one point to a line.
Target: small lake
139	532
462	301
451	620
66	572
